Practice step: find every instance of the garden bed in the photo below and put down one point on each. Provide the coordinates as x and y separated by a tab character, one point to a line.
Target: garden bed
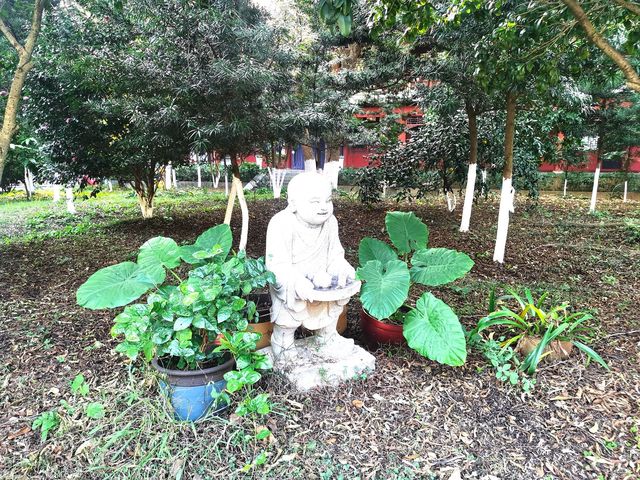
411	418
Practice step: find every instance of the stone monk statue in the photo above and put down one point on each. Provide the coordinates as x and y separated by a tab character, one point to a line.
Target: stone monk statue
305	254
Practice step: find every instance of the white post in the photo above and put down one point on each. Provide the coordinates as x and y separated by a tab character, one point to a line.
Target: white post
468	197
506	206
167	177
110	184
226	183
384	189
259	161
71	208
56	193
175	180
564	189
594	192
199	175
624	197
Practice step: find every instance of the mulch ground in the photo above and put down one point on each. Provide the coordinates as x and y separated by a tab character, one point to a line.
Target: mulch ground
411	418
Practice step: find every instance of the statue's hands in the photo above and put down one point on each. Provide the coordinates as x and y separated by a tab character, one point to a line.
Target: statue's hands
322	280
304	288
346	275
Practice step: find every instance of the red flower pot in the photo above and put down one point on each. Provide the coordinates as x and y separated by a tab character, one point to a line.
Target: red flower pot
377	332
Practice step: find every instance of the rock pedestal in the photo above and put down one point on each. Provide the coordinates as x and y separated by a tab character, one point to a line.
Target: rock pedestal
313	370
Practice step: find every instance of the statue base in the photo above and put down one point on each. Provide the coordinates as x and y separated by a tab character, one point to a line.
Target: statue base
312	369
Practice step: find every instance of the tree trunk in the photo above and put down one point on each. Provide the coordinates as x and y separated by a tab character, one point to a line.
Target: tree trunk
473	165
71	208
146	206
236	189
9	125
145	186
507	192
56	193
596	175
199	176
167	177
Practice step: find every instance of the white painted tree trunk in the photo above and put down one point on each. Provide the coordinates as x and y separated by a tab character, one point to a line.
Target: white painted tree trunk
594	192
145	208
245	214
175	180
56	193
506	206
259	161
110	185
451	200
226	183
277	177
167	177
28	182
624	196
71	208
564	189
310	165
331	171
468	197
199	176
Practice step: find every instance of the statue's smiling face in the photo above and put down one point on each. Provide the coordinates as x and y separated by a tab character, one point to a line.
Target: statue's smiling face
314	205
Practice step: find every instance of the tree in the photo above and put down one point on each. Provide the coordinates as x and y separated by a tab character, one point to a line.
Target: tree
24	51
421	16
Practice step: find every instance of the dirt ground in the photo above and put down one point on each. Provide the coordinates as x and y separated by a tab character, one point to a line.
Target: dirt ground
410	419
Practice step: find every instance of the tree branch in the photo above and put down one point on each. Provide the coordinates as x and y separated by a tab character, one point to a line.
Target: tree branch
633	79
632	7
11	38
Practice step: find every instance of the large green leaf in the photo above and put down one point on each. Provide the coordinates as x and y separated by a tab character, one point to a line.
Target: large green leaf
114	286
437	266
156	254
374	249
434	331
406	231
218	235
385	287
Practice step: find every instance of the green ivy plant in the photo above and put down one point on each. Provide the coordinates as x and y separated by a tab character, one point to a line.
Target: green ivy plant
180	321
431	327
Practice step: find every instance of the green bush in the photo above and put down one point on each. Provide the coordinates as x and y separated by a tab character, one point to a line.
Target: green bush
583	181
348	176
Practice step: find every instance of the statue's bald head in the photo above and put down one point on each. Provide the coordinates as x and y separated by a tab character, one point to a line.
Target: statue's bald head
309	196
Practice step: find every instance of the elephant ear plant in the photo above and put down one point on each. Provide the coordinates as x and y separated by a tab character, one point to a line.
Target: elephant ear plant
183	319
431	327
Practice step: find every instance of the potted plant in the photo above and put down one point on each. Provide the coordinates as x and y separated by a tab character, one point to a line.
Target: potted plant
262	319
430	326
180	326
539	334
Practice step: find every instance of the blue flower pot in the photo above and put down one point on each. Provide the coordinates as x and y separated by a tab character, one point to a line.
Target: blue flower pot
189	391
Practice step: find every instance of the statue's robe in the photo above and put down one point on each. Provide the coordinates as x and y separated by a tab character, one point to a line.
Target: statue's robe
296	251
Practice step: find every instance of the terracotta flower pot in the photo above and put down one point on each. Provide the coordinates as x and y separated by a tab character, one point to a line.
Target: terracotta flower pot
377	332
558	350
265	328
